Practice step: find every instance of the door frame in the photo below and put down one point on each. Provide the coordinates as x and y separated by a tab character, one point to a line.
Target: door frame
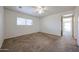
72	25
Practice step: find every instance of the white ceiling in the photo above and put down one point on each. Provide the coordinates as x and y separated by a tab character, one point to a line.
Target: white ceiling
30	10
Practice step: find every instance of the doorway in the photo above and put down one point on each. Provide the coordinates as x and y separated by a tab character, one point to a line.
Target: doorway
67	27
67	31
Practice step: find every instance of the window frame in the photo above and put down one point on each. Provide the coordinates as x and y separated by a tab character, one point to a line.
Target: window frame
28	22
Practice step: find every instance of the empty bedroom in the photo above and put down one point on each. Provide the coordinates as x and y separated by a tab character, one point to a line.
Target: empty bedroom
39	29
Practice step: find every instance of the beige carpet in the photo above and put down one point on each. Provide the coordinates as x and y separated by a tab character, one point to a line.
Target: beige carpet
39	42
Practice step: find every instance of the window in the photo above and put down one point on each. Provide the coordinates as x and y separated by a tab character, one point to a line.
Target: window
23	21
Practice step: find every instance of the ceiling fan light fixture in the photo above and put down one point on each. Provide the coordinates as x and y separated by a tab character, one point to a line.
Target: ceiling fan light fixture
40	9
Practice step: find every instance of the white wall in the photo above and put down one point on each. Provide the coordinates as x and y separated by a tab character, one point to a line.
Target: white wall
52	24
1	25
13	30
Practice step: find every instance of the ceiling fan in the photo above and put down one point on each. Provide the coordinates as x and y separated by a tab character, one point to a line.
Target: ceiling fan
40	9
